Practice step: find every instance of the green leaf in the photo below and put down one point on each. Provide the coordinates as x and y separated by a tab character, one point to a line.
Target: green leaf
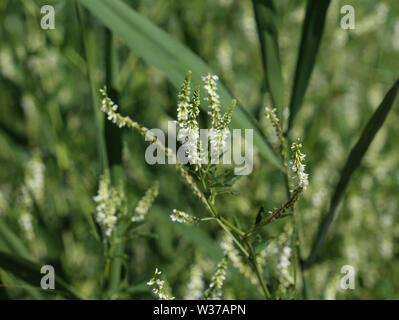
30	273
312	32
90	50
171	57
11	242
266	21
356	155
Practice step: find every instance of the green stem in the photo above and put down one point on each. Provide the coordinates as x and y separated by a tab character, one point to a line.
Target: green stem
258	271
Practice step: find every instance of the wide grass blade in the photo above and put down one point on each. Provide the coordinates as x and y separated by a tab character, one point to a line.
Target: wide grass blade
30	273
266	21
356	155
171	57
312	32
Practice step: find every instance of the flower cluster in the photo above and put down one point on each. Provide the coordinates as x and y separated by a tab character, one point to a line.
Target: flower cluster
110	108
195	285
110	202
213	98
214	291
145	203
31	192
183	103
187	114
34	177
182	217
297	167
158	286
271	115
283	265
26	223
219	133
234	256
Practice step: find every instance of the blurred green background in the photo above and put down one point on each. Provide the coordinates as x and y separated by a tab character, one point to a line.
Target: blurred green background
49	81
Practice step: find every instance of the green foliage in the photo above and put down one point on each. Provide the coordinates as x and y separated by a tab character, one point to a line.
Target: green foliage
55	143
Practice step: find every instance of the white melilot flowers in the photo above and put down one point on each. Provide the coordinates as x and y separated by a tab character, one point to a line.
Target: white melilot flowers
158	286
182	217
297	167
183	104
213	98
195	286
109	202
234	256
32	191
145	203
26	223
187	114
190	137
214	291
219	133
218	140
283	266
271	114
34	177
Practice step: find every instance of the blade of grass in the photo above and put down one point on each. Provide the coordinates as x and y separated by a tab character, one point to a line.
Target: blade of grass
89	46
266	21
12	243
356	155
30	273
171	57
312	32
113	139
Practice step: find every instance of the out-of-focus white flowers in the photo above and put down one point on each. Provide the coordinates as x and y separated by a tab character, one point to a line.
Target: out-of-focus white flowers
34	177
297	167
283	266
145	203
159	287
26	223
31	192
110	203
234	256
214	291
195	286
